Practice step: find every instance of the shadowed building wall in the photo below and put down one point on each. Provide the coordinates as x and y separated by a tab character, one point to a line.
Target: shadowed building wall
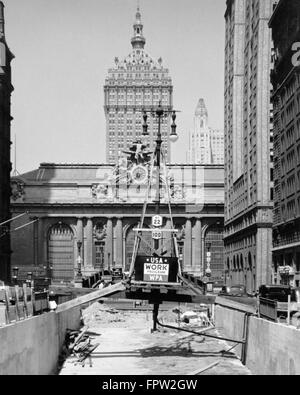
5	165
248	144
285	24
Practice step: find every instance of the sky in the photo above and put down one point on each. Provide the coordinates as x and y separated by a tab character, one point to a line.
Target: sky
63	50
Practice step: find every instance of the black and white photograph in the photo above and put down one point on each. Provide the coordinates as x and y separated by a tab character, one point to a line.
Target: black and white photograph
149	190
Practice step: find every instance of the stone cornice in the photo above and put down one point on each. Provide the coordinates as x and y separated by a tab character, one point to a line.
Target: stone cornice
246	213
246	231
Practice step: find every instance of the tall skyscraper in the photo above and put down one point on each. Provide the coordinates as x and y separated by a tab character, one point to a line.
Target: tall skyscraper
206	144
248	143
136	83
286	102
5	166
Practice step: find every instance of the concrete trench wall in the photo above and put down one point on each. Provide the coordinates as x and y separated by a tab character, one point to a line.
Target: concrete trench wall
272	349
32	346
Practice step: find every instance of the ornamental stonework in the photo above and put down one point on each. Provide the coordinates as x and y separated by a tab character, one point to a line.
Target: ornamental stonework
17	190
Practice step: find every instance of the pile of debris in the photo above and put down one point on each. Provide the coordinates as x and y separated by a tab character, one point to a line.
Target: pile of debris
78	344
192	317
104	313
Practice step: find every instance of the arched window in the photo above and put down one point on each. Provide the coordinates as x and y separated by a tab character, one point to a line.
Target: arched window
99	237
61	252
144	247
234	264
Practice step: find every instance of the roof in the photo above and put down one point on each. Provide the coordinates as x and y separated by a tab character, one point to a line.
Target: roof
51	172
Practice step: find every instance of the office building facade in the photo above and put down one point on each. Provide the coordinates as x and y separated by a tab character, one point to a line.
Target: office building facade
6	89
206	145
248	143
285	25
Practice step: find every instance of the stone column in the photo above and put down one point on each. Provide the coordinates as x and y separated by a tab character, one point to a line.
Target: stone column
187	262
79	229
109	245
197	259
44	244
41	261
88	244
35	242
119	244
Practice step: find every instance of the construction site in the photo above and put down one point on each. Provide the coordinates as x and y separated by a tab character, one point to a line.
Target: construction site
154	319
141	266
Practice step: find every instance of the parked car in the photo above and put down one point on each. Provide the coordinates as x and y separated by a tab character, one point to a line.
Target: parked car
234	290
279	293
117	274
225	290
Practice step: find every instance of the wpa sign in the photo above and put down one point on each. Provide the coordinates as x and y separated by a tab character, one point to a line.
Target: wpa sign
157	272
156	269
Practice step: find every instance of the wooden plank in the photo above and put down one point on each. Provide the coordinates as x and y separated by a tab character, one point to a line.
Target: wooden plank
2	295
3	320
199	371
25	300
170	297
30	304
143	283
196	290
7	304
17	306
235	305
91	297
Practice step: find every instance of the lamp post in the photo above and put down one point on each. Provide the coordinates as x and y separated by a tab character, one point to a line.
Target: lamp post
79	259
159	113
208	260
15	275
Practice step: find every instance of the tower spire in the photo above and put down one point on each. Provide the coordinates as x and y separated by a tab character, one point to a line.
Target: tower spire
138	41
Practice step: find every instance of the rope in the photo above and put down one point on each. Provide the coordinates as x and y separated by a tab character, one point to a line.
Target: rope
171	217
137	238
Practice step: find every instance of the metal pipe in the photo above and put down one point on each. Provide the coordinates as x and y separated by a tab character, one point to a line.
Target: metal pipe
201	334
12	219
23	226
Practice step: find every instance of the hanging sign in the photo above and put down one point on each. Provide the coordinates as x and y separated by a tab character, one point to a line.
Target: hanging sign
157	221
157	272
156	269
157	234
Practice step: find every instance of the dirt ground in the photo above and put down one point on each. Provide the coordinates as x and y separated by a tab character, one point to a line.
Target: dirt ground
127	346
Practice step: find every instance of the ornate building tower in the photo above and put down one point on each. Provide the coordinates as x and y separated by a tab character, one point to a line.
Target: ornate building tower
135	83
206	144
5	166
